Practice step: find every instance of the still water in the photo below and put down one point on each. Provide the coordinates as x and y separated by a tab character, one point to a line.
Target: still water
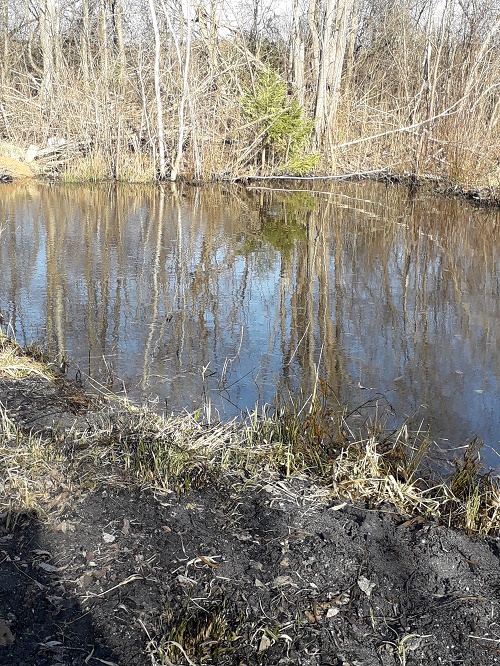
179	296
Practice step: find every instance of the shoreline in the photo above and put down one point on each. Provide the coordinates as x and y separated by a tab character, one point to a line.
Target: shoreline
476	194
130	539
309	439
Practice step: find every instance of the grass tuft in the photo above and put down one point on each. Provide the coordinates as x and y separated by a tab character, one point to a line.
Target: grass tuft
18	363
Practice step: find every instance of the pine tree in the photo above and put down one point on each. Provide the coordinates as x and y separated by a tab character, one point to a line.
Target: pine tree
281	123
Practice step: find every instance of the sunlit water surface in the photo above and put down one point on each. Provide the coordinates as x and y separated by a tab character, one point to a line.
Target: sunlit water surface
233	296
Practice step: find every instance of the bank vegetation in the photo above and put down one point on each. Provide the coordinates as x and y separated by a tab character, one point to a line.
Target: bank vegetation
311	440
206	90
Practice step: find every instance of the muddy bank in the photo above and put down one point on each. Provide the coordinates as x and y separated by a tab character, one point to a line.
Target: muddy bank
271	576
231	571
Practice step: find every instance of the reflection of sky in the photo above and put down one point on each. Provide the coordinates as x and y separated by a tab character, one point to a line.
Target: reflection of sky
198	304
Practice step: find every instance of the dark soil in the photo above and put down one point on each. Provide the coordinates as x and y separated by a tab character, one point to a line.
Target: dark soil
270	575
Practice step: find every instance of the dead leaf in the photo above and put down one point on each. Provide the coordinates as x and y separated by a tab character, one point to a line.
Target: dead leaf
58	500
38	551
49	568
166	528
64	526
281	581
264	643
340	599
412	521
310	617
332	612
85	580
108	538
365	585
126	526
208	561
100	573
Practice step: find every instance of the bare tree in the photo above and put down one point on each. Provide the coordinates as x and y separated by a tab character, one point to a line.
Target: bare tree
4	32
103	35
313	18
48	19
329	25
336	58
206	17
85	43
352	41
184	61
159	104
118	40
324	30
297	55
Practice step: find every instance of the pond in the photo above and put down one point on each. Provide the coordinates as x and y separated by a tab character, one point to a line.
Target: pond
233	296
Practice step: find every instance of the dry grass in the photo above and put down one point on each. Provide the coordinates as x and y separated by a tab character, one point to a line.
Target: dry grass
130	445
383	122
18	363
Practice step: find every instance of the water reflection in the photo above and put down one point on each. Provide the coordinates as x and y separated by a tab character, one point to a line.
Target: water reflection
232	294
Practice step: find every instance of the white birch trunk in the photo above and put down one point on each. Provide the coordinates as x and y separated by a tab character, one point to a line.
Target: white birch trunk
297	53
327	50
184	68
159	104
48	22
337	56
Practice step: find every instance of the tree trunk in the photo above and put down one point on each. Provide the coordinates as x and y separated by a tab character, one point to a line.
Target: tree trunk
48	23
182	106
159	104
297	54
326	58
208	29
118	41
85	44
4	19
313	20
184	68
352	42
336	63
103	37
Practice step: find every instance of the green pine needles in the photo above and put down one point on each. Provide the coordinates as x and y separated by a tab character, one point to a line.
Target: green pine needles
281	125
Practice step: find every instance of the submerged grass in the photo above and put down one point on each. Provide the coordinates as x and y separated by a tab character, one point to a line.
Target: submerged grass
124	444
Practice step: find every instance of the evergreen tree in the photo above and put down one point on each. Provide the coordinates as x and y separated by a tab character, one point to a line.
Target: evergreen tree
282	124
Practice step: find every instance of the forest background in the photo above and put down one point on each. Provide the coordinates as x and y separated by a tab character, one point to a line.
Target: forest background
206	90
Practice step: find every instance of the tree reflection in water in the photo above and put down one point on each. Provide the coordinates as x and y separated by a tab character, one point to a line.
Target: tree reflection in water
236	294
